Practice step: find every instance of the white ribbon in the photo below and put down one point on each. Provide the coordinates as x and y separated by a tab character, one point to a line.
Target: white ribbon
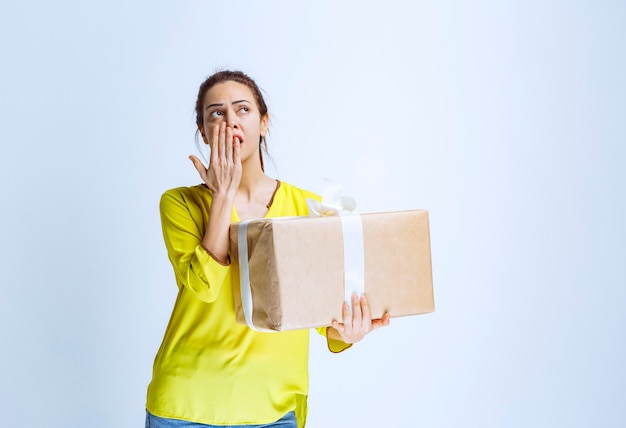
244	276
353	255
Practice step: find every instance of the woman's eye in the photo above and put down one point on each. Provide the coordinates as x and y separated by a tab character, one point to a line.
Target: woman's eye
215	114
244	109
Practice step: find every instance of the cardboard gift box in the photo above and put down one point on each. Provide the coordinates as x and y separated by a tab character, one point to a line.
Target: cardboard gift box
294	271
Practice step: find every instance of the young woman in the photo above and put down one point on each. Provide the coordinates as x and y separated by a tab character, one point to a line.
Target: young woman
211	371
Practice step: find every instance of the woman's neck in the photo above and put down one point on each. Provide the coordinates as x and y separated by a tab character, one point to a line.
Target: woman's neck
253	180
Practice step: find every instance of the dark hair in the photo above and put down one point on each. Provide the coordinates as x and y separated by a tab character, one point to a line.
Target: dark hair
233	76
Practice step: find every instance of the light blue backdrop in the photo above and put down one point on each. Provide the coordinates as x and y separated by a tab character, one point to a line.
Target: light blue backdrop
504	119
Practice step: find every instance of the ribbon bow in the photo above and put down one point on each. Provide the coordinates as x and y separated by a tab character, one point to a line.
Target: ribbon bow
332	204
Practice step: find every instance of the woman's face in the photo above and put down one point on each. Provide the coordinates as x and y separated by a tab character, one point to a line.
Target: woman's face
234	103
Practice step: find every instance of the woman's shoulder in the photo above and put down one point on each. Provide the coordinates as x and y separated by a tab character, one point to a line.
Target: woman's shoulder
184	194
182	191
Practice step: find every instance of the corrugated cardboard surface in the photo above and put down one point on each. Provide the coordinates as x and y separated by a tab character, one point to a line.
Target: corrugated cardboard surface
296	268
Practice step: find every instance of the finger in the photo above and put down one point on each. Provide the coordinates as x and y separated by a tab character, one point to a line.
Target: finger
386	318
230	148
197	163
381	322
347	318
357	316
236	150
215	136
221	141
228	145
365	309
337	326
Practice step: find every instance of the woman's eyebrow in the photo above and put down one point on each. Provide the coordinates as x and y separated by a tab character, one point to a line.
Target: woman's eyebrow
221	104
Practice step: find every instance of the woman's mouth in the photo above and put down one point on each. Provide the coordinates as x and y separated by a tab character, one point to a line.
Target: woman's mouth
240	137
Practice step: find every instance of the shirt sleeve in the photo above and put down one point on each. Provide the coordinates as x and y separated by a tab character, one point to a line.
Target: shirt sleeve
194	267
334	346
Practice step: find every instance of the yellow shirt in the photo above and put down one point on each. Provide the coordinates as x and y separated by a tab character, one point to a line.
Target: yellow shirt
210	369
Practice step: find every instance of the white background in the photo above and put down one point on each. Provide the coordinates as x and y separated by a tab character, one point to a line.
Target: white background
505	119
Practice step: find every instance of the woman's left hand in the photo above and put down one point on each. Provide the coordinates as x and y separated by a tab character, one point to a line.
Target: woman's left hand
358	322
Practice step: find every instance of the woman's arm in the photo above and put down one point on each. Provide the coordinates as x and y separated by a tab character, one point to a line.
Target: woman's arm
194	267
223	177
199	255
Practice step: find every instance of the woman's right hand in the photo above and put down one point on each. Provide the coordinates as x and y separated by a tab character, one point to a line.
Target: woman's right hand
224	172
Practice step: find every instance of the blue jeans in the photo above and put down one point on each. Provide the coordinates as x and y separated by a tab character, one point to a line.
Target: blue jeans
287	421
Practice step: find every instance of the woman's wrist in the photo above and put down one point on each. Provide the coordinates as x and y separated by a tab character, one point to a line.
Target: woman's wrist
216	240
222	197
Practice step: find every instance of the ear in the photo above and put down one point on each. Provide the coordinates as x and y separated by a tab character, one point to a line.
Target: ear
265	121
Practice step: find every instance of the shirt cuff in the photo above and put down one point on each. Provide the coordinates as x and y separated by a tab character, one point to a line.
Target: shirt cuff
336	346
222	262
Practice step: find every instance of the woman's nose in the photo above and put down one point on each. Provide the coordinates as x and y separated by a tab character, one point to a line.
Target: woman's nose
231	119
